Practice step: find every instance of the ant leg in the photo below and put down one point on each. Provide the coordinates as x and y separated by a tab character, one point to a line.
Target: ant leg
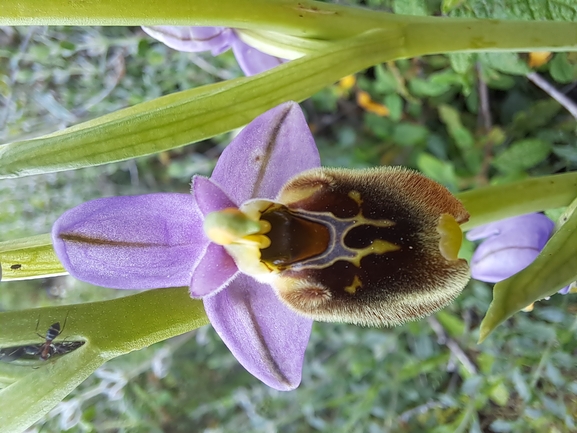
64	326
36	330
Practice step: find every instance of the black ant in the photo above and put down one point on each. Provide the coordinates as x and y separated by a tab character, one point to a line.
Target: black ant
47	349
42	351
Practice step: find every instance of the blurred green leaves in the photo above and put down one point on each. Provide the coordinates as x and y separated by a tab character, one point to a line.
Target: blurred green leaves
522	155
558	10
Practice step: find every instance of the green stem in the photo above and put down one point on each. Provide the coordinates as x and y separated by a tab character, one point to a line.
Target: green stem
27	258
497	202
29	398
304	18
114	327
444	35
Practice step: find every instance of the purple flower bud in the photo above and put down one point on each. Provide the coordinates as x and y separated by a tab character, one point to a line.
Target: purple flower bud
217	40
510	245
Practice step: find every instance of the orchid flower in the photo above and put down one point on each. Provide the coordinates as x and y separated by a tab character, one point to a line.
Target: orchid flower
217	40
157	240
510	246
271	241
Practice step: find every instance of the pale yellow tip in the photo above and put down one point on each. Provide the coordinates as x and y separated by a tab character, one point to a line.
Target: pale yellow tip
451	236
230	226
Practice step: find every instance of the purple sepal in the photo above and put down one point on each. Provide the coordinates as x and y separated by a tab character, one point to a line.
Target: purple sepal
134	242
251	60
269	151
267	338
193	39
209	196
213	273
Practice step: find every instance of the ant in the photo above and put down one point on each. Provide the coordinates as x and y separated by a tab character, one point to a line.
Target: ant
42	351
47	349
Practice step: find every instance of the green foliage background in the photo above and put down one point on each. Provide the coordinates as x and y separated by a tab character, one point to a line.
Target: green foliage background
425	376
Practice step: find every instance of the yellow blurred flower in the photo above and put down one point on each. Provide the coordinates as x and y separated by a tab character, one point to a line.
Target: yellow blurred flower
538	58
364	100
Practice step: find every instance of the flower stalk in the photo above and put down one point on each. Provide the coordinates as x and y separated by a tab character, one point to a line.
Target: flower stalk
309	19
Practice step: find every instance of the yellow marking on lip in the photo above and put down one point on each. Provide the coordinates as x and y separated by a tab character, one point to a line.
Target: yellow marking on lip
356	196
378	246
355	285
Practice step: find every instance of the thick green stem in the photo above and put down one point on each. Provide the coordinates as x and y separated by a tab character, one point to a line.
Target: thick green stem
444	35
424	35
497	202
303	18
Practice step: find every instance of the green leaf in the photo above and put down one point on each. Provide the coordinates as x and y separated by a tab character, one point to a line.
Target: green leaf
522	155
441	171
534	117
553	269
385	81
509	63
185	117
558	10
448	5
414	369
411	7
499	394
423	88
461	135
561	70
495	79
31	257
567	152
496	202
462	62
454	325
109	329
409	134
395	105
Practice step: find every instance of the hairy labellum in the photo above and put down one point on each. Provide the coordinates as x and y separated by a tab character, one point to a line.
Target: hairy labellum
373	247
